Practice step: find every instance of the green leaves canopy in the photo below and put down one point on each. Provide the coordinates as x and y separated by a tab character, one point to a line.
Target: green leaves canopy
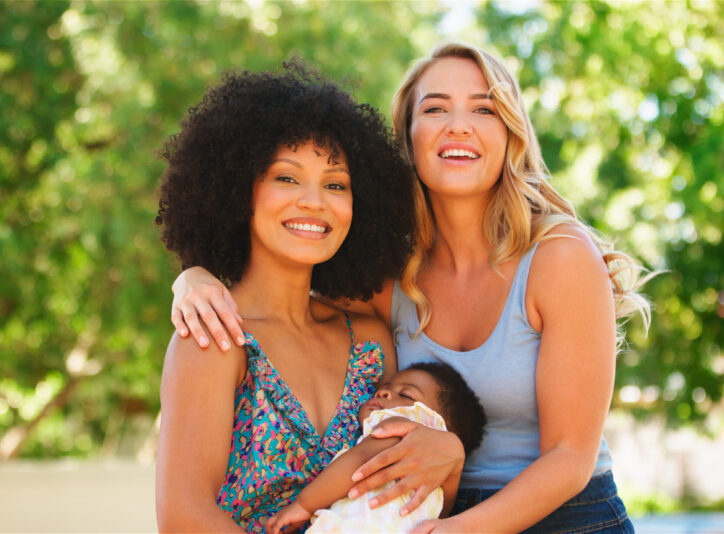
627	102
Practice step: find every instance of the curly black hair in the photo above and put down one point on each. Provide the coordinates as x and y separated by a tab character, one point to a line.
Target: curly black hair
462	411
228	141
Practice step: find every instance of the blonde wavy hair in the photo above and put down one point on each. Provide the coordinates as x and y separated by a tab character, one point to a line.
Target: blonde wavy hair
523	208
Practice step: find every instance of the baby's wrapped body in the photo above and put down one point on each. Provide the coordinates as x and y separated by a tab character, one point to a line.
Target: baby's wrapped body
353	516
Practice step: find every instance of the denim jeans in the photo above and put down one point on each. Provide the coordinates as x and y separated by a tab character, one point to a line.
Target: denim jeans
597	508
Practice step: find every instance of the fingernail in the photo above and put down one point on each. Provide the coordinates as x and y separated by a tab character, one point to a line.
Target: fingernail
183	333
225	345
356	477
203	341
240	341
353	493
372	503
403	511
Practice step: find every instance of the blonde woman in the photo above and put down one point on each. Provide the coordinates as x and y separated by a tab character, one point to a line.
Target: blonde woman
506	286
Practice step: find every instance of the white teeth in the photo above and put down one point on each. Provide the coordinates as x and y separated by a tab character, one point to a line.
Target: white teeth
306	227
458	152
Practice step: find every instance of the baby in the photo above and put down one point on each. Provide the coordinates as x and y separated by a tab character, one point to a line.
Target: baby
433	394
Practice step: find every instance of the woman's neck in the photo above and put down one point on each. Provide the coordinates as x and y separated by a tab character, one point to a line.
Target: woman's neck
460	244
273	290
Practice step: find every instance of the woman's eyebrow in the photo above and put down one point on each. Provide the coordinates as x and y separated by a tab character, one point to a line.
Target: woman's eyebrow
287	160
338	168
445	96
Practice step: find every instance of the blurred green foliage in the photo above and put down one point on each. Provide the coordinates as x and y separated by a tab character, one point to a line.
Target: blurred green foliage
627	101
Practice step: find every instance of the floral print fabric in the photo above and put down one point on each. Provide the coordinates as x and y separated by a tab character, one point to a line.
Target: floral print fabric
275	450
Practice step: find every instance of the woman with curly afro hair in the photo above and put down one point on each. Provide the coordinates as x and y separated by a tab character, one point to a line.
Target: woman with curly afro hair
279	184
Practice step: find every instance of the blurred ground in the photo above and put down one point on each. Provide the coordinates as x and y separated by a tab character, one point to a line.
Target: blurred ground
667	465
680	524
118	495
73	496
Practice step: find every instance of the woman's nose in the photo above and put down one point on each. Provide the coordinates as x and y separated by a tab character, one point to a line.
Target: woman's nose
459	124
311	198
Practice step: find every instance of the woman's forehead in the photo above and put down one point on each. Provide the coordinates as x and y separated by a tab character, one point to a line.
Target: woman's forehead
451	75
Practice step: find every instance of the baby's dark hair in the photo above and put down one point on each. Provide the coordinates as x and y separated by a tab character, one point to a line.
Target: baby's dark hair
461	407
228	141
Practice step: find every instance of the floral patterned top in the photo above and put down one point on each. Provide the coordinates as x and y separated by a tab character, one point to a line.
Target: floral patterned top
275	450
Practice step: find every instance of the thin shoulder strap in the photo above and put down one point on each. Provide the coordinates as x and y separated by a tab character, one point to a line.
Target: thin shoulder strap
520	282
524	265
349	326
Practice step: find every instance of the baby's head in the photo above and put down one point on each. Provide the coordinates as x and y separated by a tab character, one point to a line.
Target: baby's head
439	387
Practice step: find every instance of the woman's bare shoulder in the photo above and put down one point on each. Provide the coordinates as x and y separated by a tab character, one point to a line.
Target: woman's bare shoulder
191	366
565	246
566	259
367	327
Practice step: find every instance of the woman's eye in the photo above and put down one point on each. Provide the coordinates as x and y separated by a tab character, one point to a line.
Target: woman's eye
484	111
286	179
336	186
434	109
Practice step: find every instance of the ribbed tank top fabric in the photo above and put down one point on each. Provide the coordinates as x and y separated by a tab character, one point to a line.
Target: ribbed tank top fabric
501	371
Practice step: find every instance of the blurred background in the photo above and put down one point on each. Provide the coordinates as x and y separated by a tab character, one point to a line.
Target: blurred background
627	100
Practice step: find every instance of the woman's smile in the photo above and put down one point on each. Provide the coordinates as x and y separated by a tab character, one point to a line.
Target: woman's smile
308	228
458	153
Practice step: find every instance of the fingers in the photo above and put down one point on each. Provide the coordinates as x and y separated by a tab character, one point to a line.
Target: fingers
213	324
226	309
402	487
179	324
417	499
364	473
380	477
396	428
191	318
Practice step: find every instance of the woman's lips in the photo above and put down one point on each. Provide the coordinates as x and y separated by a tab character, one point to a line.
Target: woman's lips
458	153
308	228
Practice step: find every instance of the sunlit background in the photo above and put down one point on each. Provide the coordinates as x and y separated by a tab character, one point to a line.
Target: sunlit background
627	99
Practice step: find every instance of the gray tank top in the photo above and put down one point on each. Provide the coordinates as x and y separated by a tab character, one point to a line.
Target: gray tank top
502	373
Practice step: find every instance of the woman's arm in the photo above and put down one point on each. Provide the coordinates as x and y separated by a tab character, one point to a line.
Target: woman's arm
335	481
197	399
570	296
199	294
425	459
331	485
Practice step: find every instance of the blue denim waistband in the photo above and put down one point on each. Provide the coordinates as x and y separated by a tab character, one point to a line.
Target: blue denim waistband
599	488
